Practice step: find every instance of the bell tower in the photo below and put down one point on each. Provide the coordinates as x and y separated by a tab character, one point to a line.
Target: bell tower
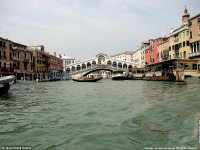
185	17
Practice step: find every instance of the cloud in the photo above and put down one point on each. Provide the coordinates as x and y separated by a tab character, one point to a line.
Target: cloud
81	28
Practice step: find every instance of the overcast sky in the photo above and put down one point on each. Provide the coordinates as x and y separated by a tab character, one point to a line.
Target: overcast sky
84	28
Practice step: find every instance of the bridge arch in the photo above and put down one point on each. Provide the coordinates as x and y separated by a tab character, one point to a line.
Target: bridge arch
98	69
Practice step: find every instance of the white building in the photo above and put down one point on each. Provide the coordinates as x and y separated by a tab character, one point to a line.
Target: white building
67	61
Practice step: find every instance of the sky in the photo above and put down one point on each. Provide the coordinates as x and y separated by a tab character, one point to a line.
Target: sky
84	28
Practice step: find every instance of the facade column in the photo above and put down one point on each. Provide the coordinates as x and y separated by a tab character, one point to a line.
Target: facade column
196	48
192	48
199	47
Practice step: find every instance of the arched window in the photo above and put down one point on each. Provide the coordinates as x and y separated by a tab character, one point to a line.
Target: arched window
83	66
78	67
68	70
125	66
120	65
73	68
109	62
88	65
93	63
114	64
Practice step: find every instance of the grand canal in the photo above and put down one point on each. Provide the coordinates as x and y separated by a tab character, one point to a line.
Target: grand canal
109	115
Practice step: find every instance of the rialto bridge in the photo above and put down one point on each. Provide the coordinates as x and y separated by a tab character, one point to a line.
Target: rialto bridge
99	62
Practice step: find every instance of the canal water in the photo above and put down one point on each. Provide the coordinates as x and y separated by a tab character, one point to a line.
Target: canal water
108	115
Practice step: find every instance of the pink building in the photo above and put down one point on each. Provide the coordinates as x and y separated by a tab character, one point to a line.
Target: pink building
151	53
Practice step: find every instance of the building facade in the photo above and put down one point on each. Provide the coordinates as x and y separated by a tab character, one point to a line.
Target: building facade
67	61
6	55
22	61
163	50
194	26
124	56
179	40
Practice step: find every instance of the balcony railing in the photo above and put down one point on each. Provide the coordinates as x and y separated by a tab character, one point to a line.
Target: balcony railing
15	58
194	54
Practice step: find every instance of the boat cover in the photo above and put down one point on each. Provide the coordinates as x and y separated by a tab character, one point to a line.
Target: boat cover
6	79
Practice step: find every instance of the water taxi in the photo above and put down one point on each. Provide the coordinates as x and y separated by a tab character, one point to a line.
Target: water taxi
119	75
172	70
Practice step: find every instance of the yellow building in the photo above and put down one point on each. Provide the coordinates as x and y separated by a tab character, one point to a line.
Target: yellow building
41	62
22	61
179	40
124	56
6	63
194	25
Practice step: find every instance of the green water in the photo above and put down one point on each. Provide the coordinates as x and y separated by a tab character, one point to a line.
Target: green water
109	115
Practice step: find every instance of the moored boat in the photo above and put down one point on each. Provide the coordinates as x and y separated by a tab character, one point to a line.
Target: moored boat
174	70
5	83
119	75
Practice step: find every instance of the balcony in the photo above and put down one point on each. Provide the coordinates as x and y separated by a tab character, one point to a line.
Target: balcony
195	54
25	61
15	59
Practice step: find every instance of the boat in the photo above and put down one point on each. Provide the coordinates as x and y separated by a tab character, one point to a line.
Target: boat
138	73
55	79
5	83
88	79
174	70
119	75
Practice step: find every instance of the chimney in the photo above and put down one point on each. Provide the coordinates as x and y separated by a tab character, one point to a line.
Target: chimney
171	30
54	53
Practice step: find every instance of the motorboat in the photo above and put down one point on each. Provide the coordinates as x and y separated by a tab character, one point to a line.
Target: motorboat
5	83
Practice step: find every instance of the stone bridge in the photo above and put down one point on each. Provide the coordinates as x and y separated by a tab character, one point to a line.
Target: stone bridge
99	62
86	71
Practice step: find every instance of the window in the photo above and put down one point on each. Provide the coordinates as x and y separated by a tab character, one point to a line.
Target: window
180	45
181	54
170	48
199	29
188	33
184	44
173	47
0	43
4	54
188	43
184	54
4	45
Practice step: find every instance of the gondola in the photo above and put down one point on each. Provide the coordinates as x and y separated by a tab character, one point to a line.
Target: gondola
88	79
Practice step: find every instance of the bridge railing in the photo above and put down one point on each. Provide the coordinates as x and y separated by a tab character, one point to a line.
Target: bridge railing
99	66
